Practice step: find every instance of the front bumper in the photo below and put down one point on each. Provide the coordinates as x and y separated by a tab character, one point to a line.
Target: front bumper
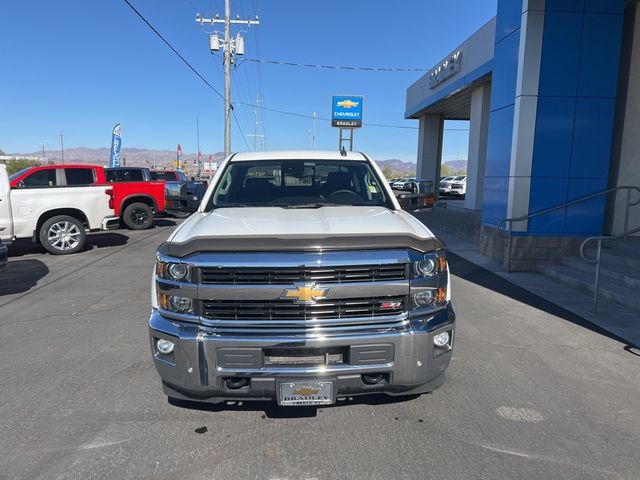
110	223
181	203
198	367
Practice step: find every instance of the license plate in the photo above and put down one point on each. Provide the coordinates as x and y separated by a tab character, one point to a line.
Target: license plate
306	393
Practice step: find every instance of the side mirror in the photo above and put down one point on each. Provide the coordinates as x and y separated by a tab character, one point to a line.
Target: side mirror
412	202
20	184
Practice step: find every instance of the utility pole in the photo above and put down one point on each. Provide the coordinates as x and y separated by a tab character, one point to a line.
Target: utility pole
230	48
199	156
313	136
62	146
42	145
255	134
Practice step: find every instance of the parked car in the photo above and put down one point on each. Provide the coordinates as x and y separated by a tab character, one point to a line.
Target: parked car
183	196
444	187
57	218
458	186
300	291
3	254
135	202
405	184
445	183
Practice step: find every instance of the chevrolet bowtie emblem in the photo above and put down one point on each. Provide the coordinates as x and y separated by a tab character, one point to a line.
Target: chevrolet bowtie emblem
306	391
347	103
305	293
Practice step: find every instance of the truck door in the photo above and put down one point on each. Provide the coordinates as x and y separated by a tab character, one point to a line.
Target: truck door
6	223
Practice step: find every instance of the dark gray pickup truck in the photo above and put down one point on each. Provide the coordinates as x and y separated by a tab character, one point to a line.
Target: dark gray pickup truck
183	196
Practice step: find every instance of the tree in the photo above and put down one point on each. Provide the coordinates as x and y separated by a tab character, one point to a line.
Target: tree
14	166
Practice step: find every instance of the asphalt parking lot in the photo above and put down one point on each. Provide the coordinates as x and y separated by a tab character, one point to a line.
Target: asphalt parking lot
532	392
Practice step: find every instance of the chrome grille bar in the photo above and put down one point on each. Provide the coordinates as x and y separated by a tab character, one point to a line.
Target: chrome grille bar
285	276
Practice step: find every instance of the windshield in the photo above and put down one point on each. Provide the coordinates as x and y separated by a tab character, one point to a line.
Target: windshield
17	174
298	184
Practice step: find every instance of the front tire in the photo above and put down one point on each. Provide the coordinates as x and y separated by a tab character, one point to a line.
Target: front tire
62	235
138	216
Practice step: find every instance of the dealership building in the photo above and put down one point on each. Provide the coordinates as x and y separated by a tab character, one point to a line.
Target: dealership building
552	92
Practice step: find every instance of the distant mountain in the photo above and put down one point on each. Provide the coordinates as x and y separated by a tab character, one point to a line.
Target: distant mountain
457	165
144	157
397	167
134	157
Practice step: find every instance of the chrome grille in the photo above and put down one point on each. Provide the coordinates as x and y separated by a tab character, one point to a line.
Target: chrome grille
284	276
287	310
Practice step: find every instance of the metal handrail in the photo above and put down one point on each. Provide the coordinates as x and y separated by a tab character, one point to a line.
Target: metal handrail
510	221
596	260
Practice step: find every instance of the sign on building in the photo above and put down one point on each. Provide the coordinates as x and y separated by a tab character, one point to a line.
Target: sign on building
346	111
445	70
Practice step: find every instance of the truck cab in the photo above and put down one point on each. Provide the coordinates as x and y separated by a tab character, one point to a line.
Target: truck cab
300	280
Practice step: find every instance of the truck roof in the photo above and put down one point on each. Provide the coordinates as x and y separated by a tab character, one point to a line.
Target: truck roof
298	155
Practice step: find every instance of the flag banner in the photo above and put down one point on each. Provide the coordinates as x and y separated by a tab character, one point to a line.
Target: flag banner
116	143
179	158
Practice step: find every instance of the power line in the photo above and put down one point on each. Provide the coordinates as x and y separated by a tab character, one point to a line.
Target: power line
230	47
262	107
173	49
240	128
166	42
338	67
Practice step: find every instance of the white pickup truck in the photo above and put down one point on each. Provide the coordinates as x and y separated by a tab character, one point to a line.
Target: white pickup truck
57	217
301	280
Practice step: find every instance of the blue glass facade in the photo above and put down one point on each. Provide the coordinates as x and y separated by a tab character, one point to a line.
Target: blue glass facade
574	115
503	93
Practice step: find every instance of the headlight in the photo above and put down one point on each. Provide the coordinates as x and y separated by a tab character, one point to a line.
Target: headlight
175	303
431	265
179	272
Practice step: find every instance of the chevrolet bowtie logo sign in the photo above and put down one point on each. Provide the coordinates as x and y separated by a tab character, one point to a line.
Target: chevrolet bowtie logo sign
348	104
305	293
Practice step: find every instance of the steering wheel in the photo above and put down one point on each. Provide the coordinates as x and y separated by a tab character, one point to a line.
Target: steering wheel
344	192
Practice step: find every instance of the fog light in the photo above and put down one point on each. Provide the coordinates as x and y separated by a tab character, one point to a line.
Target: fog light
180	304
441	339
424	298
165	347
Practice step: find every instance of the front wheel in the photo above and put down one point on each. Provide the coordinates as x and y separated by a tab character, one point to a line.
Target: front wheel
138	216
62	235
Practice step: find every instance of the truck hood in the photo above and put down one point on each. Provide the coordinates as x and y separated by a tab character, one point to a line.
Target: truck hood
275	228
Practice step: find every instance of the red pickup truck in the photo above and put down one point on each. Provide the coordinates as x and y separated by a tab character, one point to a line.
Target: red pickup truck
134	202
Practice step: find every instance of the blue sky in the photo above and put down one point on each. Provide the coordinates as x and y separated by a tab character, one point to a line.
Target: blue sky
79	67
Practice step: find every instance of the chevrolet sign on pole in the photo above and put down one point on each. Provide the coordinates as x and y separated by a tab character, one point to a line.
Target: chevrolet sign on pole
346	111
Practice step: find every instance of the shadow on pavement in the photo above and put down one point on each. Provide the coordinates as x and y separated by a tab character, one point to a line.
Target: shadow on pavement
24	246
165	222
273	410
480	276
20	276
107	239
